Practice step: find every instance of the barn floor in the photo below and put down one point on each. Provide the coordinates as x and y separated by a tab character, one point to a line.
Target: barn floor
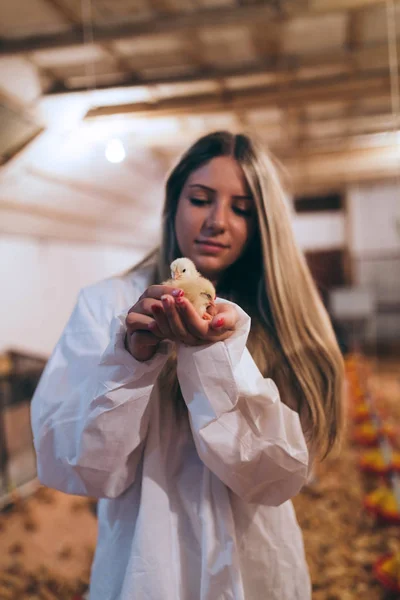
342	541
46	547
47	541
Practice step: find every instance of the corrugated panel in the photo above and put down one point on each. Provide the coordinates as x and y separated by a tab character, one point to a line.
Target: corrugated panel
306	35
122	10
16	130
224	46
69	56
374	24
20	18
151	45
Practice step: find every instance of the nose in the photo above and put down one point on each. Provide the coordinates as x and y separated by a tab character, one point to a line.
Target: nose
216	220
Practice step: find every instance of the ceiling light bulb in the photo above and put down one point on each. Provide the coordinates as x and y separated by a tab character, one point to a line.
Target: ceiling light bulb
115	151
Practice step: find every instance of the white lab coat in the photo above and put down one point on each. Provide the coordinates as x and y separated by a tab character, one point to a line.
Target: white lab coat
196	509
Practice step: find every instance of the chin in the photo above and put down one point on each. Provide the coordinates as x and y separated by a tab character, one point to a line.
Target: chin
209	266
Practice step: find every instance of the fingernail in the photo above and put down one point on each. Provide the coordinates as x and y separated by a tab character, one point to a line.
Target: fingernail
219	322
178	293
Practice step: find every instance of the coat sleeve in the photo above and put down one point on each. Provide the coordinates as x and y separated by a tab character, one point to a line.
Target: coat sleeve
243	432
90	411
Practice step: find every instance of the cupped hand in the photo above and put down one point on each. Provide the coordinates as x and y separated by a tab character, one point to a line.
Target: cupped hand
140	340
177	320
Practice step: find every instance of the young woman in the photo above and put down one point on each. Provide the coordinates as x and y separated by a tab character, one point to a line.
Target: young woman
195	434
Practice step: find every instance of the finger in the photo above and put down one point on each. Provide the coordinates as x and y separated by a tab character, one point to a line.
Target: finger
155	330
144	306
226	318
135	321
195	325
156	291
162	321
139	339
200	330
175	322
212	309
144	338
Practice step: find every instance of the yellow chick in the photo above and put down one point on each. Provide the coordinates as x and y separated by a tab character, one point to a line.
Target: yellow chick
198	290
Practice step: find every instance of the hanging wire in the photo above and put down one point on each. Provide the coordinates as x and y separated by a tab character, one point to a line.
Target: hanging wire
88	42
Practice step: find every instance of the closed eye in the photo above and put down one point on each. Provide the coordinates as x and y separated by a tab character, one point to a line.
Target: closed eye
244	212
199	201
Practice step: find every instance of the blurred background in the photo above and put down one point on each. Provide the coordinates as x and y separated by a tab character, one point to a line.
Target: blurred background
98	98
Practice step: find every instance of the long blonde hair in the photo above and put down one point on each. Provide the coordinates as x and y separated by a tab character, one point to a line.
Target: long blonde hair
291	338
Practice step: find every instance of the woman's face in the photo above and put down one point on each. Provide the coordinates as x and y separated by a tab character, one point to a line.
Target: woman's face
216	216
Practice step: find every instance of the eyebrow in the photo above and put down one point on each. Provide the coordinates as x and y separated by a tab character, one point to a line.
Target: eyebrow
210	189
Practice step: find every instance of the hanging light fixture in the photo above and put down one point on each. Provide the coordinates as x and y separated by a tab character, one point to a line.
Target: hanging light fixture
114	150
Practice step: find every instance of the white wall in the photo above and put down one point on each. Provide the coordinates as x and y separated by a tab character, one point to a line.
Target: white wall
375	247
40	283
320	231
374	218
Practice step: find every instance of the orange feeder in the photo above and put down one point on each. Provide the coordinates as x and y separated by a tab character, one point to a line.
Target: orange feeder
361	413
373	462
387	571
382	503
367	434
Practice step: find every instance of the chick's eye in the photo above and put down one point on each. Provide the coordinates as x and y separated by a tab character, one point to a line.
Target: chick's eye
183	270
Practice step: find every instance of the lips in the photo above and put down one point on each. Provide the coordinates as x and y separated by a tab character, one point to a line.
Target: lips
211	243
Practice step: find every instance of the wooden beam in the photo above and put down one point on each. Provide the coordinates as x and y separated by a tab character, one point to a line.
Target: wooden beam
323	6
45	73
354	32
65	11
173	24
194	47
274	65
200	73
162	7
340	168
75	20
296	94
268	43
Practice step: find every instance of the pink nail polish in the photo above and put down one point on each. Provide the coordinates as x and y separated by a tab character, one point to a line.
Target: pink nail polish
219	322
177	293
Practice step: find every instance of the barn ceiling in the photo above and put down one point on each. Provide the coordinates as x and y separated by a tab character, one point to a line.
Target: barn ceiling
311	77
